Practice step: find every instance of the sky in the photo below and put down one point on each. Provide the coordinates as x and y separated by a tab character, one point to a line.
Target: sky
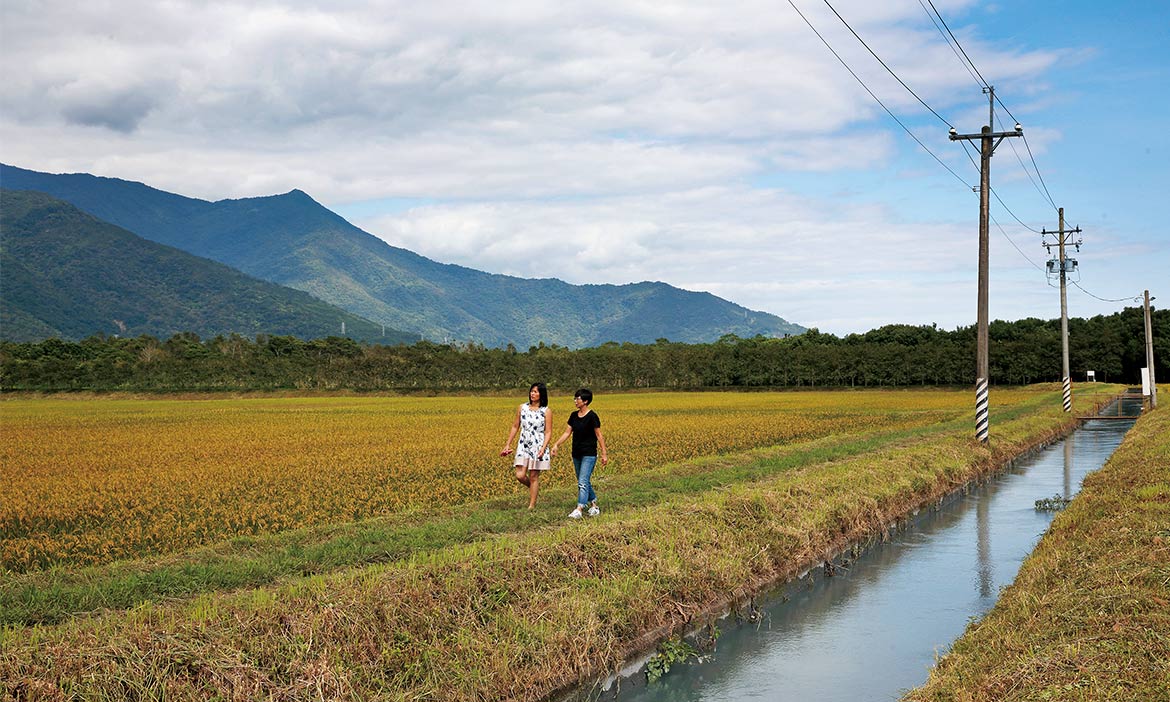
712	146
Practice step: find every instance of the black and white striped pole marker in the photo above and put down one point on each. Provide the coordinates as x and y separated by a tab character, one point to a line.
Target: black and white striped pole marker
981	423
1067	394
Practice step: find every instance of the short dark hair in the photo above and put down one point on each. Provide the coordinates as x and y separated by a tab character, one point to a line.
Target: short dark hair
540	387
585	394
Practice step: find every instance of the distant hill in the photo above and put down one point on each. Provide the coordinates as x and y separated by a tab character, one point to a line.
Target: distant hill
65	273
292	240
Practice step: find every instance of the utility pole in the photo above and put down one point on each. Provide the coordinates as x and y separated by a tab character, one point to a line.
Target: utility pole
988	141
1066	265
1150	353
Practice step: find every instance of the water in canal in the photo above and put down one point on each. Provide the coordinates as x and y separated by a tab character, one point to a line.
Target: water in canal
872	632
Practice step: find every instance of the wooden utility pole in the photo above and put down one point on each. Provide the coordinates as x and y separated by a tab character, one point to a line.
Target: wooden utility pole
1066	383
988	141
1150	353
1065	264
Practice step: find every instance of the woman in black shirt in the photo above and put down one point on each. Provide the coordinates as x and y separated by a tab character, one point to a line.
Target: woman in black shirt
585	428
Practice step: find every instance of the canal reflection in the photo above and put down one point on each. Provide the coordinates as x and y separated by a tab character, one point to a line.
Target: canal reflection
983	529
873	631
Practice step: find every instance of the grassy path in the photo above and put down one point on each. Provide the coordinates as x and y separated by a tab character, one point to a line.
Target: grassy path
489	607
1088	616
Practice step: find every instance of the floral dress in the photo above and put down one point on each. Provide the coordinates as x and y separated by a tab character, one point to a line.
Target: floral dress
531	437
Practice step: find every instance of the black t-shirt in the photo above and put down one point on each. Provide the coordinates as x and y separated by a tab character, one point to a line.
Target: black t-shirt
584	436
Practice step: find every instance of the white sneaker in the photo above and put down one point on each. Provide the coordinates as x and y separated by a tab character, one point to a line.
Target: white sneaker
575	514
594	511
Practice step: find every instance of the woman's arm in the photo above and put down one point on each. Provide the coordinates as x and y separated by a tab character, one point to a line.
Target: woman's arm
604	457
558	442
511	434
547	430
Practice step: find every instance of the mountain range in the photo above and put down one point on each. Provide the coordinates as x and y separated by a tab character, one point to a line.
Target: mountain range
293	241
67	274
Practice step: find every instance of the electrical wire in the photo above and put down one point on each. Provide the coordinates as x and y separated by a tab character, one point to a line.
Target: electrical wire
1005	108
1135	298
970	156
1017	248
982	82
875	97
1013	214
967	63
966	150
924	103
1043	187
1038	175
999	199
1044	192
888	69
950	44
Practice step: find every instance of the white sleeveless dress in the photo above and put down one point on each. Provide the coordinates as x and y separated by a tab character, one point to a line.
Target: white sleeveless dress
532	421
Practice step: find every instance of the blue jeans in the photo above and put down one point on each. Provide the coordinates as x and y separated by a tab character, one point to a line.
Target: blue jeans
584	467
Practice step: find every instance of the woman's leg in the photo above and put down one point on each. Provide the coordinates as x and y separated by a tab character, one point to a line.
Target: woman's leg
585	493
533	487
521	474
577	470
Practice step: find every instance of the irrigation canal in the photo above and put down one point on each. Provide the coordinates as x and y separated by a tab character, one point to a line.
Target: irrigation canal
873	629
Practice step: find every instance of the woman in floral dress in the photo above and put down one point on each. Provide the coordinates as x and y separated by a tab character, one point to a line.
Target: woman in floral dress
534	424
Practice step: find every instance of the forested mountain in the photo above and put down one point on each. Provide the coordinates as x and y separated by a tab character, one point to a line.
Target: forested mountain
66	273
292	240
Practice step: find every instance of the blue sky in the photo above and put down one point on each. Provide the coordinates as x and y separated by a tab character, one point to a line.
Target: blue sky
714	148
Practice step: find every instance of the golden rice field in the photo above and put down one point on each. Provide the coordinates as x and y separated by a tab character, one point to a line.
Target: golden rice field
89	480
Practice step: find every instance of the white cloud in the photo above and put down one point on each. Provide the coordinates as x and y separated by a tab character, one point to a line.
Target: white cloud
763	249
591	141
519	95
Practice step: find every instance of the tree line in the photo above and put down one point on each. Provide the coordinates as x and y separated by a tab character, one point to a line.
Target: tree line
1022	352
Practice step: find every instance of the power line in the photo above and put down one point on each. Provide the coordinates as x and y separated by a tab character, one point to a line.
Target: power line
888	69
971	68
1017	248
924	103
982	82
966	148
1029	147
1005	109
950	44
1013	214
1044	192
1135	298
875	97
971	157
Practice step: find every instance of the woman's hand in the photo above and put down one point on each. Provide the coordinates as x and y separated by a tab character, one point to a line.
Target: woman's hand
506	451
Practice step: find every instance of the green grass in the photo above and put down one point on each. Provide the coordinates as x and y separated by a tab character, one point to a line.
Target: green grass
1088	616
532	607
